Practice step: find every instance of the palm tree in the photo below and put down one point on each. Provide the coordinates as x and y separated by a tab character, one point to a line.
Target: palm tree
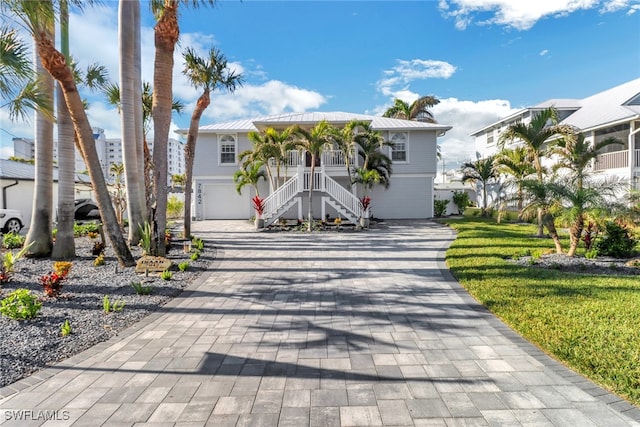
313	142
39	238
370	147
516	163
119	197
417	110
281	144
250	174
534	136
207	74
112	92
346	141
39	17
19	84
481	172
543	198
263	150
131	115
576	154
64	247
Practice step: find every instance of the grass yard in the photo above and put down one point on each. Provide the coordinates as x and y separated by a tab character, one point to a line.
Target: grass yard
589	322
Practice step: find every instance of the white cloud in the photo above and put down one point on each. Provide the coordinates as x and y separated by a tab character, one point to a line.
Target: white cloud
522	15
466	117
397	79
544	52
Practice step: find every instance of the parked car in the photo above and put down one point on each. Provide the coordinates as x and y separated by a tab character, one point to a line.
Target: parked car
86	209
11	220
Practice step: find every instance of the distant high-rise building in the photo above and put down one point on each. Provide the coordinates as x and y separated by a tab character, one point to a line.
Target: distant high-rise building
109	152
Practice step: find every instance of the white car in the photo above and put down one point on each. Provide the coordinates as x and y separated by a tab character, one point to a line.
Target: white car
11	221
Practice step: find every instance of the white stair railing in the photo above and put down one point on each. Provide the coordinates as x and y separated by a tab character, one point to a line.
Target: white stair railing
343	196
281	196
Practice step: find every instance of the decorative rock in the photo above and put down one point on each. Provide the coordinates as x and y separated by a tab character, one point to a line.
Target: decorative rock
152	264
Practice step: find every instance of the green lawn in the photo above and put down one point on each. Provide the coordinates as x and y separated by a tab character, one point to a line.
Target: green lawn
589	322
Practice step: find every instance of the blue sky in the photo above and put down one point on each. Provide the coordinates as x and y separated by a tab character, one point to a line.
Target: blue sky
483	59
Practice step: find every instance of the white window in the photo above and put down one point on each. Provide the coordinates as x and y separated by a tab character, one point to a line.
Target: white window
227	144
490	137
399	148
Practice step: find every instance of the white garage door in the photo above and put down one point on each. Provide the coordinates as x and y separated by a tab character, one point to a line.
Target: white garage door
221	201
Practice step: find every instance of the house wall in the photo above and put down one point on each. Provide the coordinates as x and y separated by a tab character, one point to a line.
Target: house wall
409	196
20	197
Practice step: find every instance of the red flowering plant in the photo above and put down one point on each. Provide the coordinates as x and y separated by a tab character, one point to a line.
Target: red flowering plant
52	284
258	205
365	202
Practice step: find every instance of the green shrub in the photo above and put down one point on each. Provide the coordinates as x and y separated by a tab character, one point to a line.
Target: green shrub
440	207
99	261
12	241
84	229
183	266
65	329
461	200
141	290
617	241
108	306
145	238
197	243
174	207
591	254
20	304
195	256
166	275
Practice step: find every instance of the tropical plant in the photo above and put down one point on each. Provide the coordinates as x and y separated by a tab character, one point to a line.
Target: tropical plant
417	110
19	83
542	198
346	140
516	163
535	137
367	178
62	268
38	18
370	148
249	174
109	306
140	289
313	141
205	74
119	194
258	205
183	266
178	180
482	172
65	328
99	261
52	284
20	304
145	238
13	241
617	242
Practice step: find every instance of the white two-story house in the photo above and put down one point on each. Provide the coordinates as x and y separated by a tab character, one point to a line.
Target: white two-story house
409	196
612	113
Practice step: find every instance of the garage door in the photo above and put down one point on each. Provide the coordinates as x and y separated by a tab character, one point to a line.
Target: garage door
221	201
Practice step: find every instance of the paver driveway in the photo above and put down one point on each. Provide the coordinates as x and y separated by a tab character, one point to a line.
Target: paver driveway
331	329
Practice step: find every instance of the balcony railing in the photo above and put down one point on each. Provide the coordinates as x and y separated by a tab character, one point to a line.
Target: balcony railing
614	160
328	158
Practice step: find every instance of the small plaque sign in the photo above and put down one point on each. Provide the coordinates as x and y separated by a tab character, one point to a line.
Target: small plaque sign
152	264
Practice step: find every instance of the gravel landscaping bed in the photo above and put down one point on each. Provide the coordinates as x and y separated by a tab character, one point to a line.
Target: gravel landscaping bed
30	345
600	265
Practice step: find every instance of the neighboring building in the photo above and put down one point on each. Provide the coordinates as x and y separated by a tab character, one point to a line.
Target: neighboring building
612	113
410	194
17	184
109	152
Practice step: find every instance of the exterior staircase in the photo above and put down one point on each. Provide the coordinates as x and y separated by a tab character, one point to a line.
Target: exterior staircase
290	193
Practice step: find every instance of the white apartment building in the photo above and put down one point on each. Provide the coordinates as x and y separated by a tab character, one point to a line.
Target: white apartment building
614	112
109	152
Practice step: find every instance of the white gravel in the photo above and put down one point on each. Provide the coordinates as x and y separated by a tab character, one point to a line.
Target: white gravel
30	345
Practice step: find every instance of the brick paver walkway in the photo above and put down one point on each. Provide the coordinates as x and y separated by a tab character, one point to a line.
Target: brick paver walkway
335	329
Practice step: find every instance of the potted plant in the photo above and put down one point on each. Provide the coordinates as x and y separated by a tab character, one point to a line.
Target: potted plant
365	203
258	205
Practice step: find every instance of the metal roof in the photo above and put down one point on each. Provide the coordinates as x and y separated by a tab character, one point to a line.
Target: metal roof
596	111
11	169
288	119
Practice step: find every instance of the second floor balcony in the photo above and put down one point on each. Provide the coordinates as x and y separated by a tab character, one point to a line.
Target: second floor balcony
330	159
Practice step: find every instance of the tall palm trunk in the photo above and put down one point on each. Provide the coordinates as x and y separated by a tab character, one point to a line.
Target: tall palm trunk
64	247
54	62
39	235
142	151
189	153
541	211
166	36
129	103
575	233
549	222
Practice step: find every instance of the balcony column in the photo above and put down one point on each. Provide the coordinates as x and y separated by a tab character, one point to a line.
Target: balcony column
632	152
